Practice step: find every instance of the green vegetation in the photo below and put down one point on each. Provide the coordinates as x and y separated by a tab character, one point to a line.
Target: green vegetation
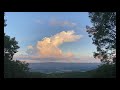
15	69
103	33
61	75
12	68
87	74
103	71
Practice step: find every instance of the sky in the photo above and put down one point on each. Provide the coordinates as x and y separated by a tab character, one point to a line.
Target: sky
51	36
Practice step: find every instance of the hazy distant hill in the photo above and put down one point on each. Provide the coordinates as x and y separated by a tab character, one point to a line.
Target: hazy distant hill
61	67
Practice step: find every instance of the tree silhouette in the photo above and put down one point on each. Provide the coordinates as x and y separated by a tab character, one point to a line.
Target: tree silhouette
12	68
103	33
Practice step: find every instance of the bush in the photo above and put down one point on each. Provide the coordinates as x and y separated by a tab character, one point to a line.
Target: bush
105	71
15	69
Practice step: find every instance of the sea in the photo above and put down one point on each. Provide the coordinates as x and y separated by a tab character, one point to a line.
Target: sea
61	67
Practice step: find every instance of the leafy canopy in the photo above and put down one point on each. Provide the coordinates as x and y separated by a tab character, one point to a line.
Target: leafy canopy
12	68
103	33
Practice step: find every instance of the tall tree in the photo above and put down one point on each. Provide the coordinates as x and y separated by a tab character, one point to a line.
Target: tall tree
12	68
10	45
103	33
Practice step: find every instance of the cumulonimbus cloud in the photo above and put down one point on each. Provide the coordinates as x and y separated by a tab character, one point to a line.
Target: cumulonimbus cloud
49	46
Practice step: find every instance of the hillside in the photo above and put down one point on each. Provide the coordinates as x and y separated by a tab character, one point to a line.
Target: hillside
87	74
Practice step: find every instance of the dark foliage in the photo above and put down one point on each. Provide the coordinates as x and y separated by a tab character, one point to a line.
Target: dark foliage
105	71
103	33
15	69
12	68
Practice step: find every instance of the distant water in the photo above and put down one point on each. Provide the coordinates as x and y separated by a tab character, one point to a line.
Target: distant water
62	67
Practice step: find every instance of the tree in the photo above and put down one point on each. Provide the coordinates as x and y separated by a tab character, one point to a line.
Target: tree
105	71
10	46
12	68
5	21
103	33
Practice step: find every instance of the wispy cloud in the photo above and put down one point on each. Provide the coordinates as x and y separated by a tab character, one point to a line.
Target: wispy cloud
32	51
55	22
39	21
30	47
36	59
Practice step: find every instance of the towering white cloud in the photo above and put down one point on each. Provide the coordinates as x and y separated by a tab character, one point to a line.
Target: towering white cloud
48	47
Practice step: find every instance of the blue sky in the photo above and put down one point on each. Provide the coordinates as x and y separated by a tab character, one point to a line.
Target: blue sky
31	27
